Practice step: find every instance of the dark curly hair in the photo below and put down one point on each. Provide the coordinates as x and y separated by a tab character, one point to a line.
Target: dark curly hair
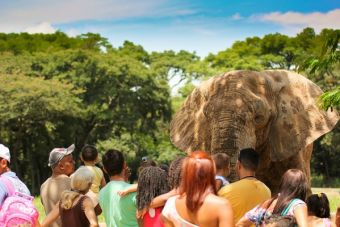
175	172
152	182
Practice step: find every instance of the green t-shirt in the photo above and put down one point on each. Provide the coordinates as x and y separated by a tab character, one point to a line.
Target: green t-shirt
118	211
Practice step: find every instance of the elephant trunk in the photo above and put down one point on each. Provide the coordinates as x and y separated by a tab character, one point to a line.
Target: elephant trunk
230	136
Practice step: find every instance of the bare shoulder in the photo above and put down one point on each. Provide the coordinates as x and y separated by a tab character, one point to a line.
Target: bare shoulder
87	202
218	201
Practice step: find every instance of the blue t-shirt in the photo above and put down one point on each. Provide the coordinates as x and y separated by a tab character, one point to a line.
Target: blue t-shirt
18	185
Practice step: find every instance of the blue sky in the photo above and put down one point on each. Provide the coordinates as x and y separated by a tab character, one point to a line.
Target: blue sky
193	25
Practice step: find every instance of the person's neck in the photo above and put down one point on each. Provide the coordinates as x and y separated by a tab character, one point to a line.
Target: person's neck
219	173
6	170
89	163
57	174
247	174
118	177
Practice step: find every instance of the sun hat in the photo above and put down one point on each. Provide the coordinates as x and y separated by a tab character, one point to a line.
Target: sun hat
59	153
4	153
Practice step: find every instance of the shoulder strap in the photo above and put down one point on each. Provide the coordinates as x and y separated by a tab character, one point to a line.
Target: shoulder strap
8	184
285	211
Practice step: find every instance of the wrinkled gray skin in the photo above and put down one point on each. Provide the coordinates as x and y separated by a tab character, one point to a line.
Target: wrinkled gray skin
274	112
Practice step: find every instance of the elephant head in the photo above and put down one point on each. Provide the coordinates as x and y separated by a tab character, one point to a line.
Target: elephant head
274	112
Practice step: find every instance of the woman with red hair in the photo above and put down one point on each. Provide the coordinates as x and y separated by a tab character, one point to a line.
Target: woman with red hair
197	203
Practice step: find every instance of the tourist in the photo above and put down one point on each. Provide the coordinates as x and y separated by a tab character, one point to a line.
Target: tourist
152	182
318	211
118	211
222	165
246	193
289	202
197	203
62	165
89	156
8	175
75	208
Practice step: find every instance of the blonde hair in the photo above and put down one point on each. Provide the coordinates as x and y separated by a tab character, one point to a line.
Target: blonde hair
81	182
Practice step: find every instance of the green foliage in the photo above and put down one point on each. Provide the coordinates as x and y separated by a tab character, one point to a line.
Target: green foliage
24	42
327	63
330	99
32	111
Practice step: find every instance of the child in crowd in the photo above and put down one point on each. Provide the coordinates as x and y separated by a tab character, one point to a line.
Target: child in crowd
75	208
89	155
145	163
222	164
152	182
318	211
174	179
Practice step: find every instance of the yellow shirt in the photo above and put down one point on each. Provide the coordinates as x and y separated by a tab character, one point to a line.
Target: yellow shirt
244	195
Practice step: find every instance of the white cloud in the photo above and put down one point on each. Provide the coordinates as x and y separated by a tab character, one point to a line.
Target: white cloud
20	14
293	21
72	32
43	27
236	16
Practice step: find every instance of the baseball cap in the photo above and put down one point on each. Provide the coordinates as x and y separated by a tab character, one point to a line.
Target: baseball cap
59	153
4	153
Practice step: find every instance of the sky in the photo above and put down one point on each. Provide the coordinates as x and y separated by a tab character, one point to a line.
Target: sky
194	25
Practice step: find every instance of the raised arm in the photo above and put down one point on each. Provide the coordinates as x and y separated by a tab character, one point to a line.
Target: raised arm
161	199
132	188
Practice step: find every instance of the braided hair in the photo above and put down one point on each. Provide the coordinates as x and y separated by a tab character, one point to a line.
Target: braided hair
152	182
175	172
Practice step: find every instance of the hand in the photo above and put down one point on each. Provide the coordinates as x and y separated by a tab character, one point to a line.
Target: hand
140	213
122	193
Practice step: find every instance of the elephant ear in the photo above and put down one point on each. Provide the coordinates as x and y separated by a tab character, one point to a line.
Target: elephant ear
299	120
189	128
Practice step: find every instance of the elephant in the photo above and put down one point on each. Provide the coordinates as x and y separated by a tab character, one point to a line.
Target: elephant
273	111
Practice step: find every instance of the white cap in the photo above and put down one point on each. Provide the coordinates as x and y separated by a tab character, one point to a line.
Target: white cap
59	153
4	153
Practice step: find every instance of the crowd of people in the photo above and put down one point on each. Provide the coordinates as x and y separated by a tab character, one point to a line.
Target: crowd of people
192	191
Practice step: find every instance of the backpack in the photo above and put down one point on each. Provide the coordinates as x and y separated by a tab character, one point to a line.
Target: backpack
17	208
281	220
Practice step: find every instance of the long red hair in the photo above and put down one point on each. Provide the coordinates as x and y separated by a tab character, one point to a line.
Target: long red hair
198	179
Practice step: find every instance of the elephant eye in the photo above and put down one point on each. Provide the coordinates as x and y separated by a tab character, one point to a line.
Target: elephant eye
258	119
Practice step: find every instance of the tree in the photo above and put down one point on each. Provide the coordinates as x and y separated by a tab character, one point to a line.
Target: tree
31	111
325	63
323	68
